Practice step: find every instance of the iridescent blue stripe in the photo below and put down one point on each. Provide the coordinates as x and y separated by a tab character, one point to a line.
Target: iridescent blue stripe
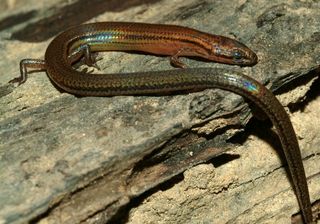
101	37
250	86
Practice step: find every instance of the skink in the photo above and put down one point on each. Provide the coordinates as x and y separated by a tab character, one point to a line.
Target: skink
170	40
175	41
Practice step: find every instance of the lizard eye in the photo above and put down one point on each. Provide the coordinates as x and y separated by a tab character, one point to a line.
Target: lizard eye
237	55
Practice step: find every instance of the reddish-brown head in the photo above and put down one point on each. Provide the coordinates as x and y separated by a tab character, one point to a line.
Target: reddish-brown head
229	51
